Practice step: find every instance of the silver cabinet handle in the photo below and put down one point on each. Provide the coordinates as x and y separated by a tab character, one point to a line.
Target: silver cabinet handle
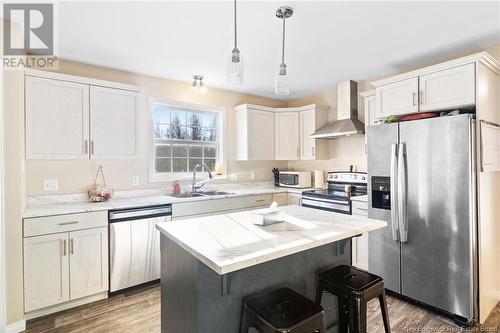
71	246
68	223
414	97
85	147
421	97
394	195
260	200
313	151
297	151
63	247
403	225
92	147
249	152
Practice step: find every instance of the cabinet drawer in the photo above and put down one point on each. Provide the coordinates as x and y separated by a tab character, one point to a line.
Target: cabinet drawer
206	206
259	200
62	223
360	208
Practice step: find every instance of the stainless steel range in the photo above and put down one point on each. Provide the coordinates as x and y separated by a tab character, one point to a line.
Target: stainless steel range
342	186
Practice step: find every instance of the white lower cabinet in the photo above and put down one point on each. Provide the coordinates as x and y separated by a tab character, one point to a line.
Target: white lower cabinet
67	265
46	271
88	252
281	199
295	199
359	249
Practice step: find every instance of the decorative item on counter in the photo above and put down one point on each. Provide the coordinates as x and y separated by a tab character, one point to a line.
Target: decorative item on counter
276	173
100	193
177	187
218	169
422	115
319	179
391	119
268	216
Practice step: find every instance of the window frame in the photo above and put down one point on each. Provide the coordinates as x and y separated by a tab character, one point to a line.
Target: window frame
220	140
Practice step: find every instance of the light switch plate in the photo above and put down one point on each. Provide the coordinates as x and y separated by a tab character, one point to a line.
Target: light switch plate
50	185
135	180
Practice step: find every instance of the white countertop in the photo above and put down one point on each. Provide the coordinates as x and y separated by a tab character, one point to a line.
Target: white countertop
69	204
231	242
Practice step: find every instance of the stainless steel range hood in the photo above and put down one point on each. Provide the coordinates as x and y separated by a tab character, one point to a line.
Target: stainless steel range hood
347	110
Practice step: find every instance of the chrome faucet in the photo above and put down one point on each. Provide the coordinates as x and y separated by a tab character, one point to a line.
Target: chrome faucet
202	166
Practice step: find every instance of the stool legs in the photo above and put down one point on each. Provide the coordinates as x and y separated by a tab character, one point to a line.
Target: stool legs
343	314
357	324
385	312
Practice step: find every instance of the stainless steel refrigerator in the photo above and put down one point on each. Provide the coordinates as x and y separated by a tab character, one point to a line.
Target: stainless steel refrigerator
422	182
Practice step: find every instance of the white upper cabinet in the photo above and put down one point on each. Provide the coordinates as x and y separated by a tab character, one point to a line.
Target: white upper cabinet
46	271
70	117
114	122
287	135
311	120
446	89
254	133
88	251
57	119
397	98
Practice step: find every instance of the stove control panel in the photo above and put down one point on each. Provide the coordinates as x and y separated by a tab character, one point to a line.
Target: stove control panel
347	177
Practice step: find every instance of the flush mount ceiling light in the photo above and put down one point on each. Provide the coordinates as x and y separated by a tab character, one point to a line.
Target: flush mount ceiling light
235	66
282	86
197	84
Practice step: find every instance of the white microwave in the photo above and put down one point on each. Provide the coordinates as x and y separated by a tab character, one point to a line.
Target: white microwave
297	179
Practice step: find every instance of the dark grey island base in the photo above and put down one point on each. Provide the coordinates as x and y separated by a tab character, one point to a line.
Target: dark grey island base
196	299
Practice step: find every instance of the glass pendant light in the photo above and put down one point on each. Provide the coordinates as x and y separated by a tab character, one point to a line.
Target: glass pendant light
197	84
282	84
235	66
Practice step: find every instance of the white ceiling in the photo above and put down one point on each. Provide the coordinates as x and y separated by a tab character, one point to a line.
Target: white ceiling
327	42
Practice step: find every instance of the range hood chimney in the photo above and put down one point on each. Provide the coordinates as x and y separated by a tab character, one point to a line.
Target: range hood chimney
347	110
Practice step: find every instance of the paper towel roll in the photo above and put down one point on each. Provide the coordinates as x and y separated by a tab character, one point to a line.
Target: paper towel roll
319	179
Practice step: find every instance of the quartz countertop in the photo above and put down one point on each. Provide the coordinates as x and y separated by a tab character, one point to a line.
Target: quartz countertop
77	203
231	242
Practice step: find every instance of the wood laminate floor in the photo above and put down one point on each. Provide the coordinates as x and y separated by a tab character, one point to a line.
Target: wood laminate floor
138	311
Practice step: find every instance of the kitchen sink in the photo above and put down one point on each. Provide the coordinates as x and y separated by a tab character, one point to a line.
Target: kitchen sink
199	194
214	193
186	195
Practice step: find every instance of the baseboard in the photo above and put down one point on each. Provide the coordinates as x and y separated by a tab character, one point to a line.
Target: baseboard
16	327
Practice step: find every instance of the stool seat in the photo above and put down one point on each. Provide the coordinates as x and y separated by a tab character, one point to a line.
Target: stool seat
282	310
349	279
283	307
354	288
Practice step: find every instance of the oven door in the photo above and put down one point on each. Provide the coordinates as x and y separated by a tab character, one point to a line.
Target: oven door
331	205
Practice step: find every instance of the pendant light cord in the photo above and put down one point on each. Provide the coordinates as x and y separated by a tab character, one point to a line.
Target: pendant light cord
235	39
283	45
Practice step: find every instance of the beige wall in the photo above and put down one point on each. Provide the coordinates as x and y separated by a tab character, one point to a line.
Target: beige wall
77	176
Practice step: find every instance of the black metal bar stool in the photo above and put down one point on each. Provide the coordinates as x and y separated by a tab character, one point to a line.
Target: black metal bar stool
282	310
354	288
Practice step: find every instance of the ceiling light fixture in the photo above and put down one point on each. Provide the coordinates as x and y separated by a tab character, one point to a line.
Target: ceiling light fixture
235	66
282	86
197	84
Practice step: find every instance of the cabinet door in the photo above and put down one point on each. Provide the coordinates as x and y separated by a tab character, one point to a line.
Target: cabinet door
114	123
360	244
57	116
447	89
307	127
370	107
295	199
260	135
88	250
281	199
397	98
287	135
46	271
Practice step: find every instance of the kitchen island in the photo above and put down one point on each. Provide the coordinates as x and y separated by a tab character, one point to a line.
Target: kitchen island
209	264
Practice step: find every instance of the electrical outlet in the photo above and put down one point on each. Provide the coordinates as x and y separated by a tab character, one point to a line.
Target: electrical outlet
252	175
234	176
50	185
135	180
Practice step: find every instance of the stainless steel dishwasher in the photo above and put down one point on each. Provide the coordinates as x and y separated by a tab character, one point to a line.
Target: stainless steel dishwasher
134	247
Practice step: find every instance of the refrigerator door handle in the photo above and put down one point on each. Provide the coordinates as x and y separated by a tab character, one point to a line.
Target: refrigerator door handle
394	194
403	223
